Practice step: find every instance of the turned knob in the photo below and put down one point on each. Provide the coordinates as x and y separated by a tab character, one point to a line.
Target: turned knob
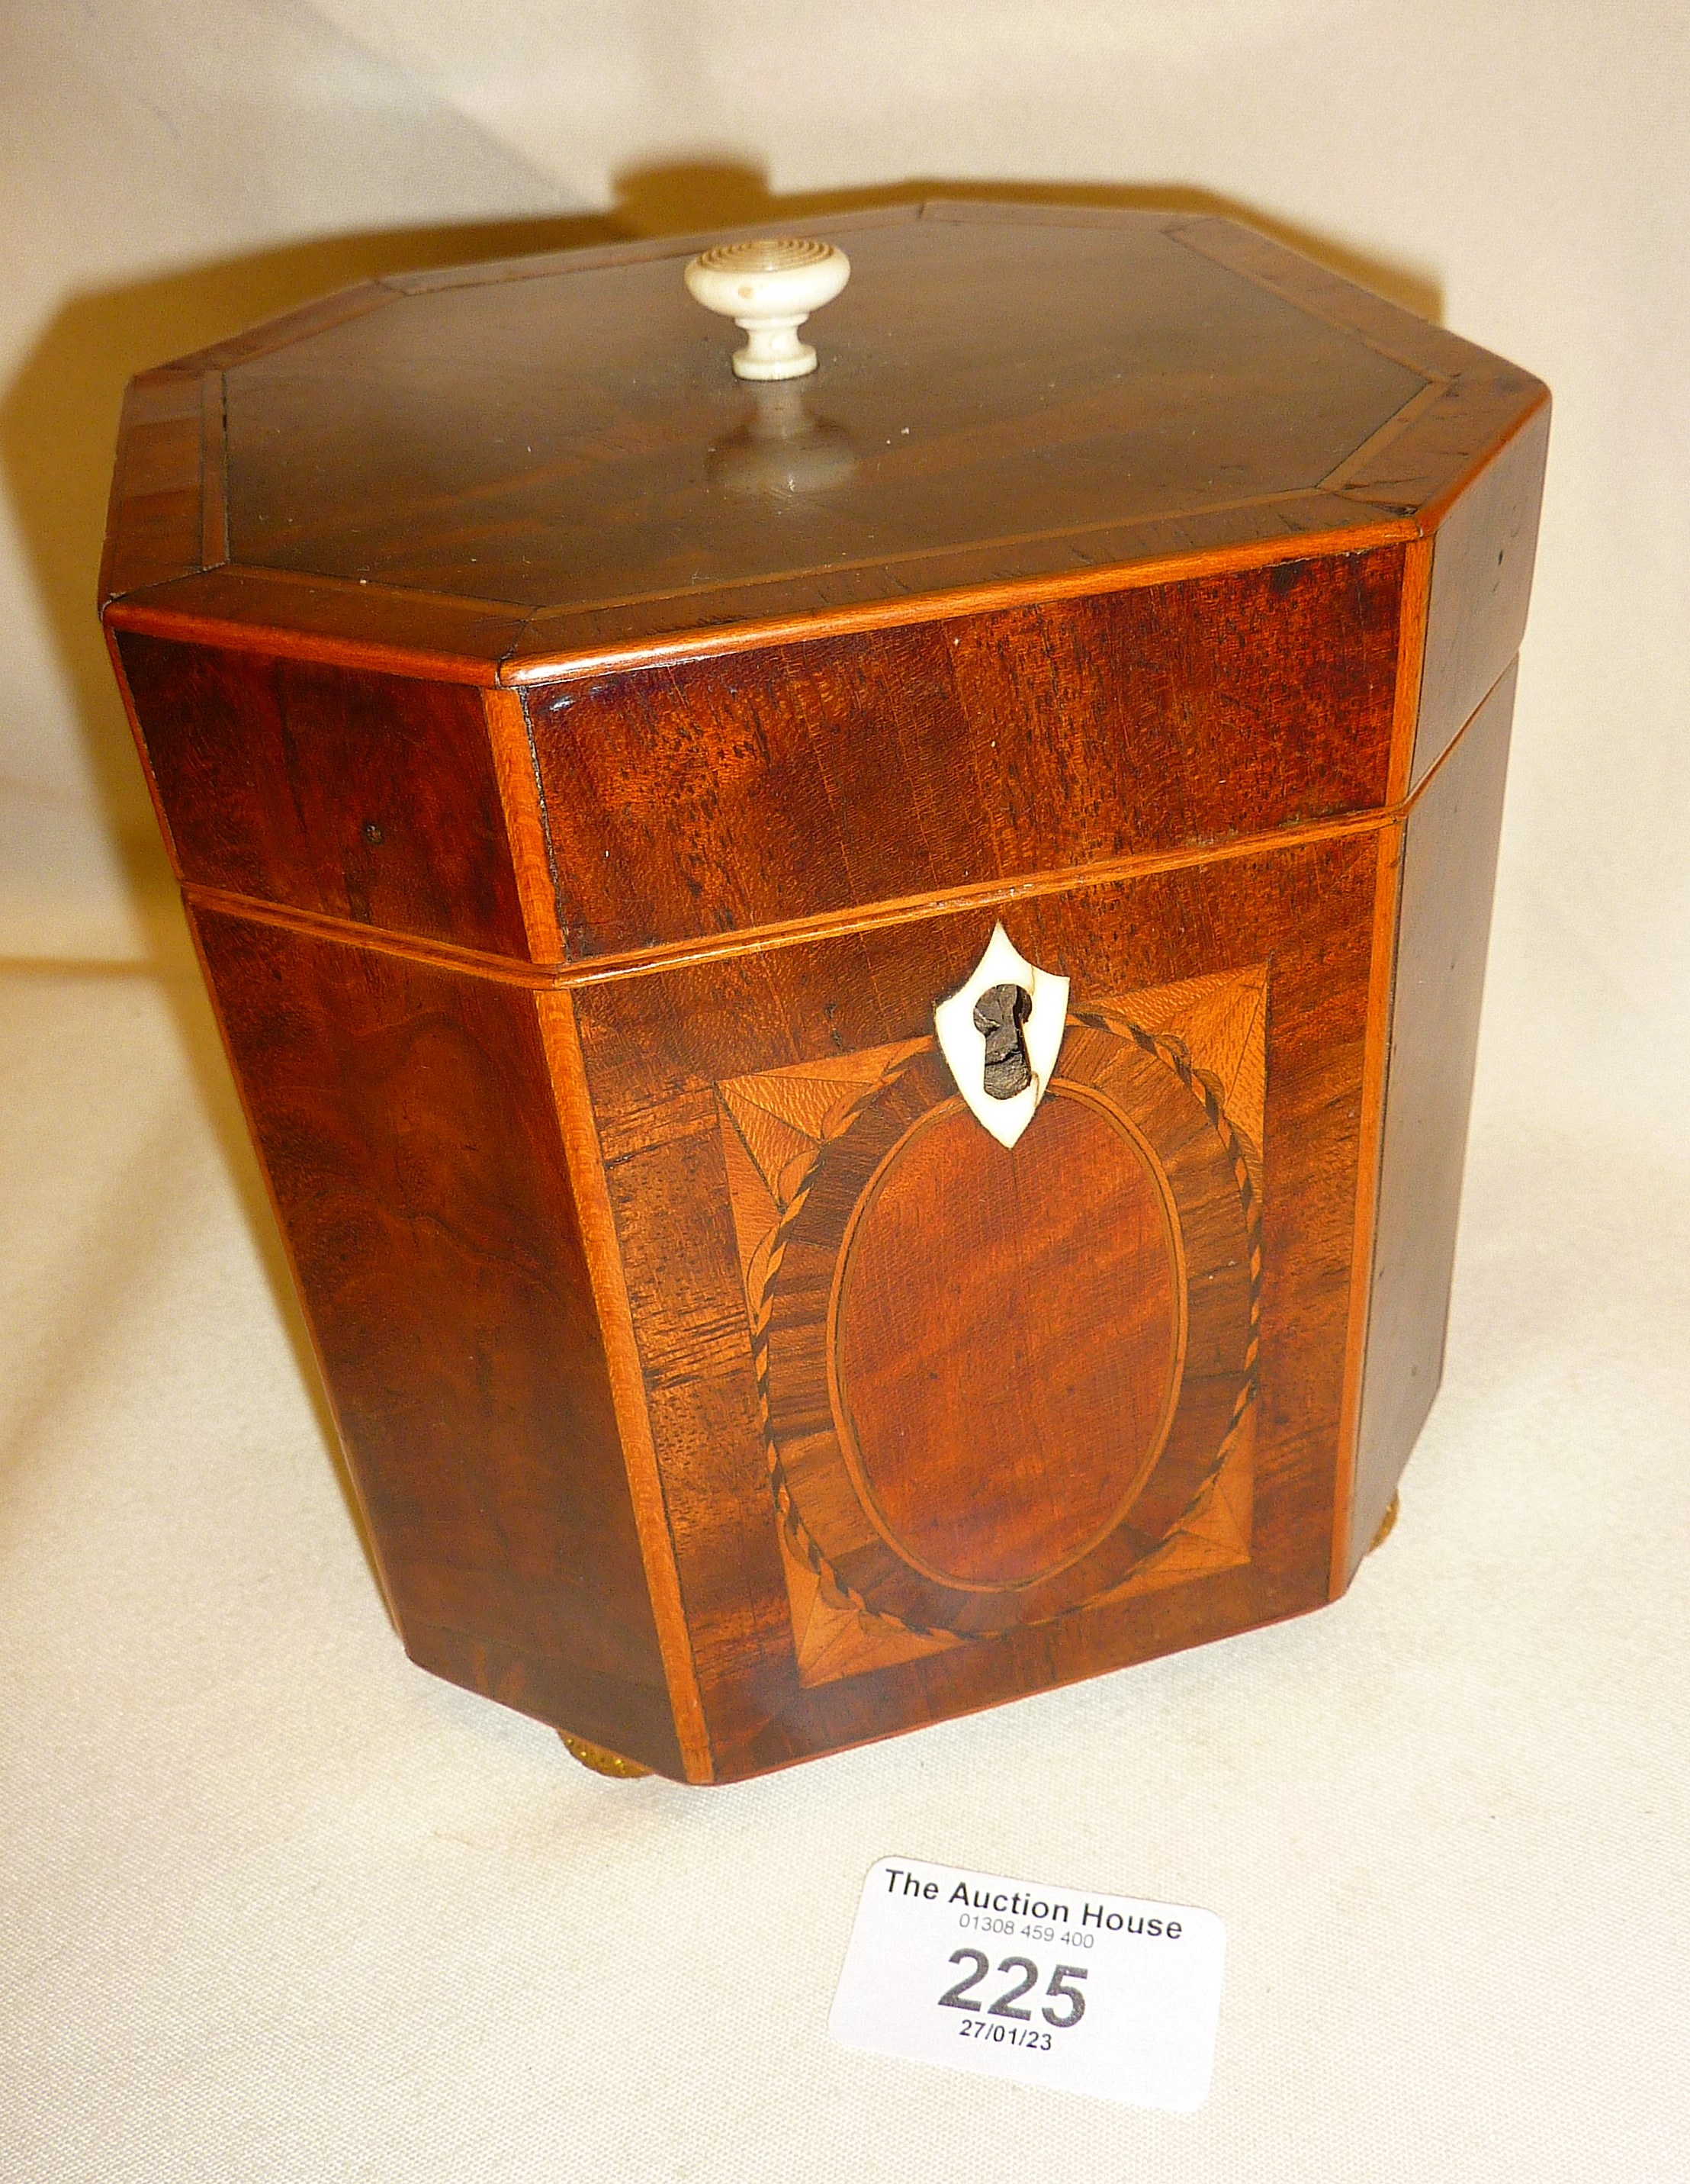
769	287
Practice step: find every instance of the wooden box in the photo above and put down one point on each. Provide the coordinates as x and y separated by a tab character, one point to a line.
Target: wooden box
588	771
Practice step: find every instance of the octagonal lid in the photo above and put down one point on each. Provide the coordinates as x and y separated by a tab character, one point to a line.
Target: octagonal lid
510	470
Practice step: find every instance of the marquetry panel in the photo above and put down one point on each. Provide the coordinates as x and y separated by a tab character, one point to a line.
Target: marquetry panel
996	1384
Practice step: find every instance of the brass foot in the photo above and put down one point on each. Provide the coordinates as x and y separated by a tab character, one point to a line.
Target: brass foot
601	1761
1386	1523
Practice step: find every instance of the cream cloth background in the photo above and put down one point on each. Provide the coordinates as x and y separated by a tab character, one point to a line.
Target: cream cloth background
273	1903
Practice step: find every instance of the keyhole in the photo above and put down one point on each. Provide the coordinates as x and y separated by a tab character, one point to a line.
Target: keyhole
998	1016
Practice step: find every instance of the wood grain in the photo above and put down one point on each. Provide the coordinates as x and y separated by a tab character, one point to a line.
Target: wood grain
580	813
1003	1377
1013	386
367	797
1411	616
655	1046
1432	351
154	522
340	625
214	512
1448	870
780	1127
727	794
1481	586
1117	1297
991	381
523	804
287	328
404	1117
1369	1120
575	644
649	1493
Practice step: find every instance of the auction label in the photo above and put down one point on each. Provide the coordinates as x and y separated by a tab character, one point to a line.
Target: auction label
1055	1986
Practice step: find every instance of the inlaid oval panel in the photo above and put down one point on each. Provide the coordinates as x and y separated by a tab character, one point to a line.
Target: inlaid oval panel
1005	1338
963	1353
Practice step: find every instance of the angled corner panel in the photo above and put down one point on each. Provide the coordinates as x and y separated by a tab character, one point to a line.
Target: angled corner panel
1482	559
1447	874
405	1119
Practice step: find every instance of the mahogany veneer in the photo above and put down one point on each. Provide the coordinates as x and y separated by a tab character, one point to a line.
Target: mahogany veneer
585	772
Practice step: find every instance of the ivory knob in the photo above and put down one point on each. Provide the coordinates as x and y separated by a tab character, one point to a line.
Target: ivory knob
769	287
